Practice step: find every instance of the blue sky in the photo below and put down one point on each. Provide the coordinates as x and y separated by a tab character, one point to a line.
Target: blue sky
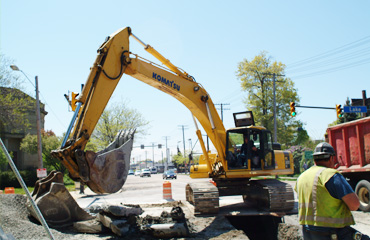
57	41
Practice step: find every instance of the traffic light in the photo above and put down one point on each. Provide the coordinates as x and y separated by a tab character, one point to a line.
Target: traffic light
292	109
74	101
339	110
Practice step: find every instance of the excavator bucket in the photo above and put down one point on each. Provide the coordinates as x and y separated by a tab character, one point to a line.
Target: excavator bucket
103	172
55	203
109	167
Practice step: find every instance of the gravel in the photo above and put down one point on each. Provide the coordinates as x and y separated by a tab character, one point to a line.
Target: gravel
14	220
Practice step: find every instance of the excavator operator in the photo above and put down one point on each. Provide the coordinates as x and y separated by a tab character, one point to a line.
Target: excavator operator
249	151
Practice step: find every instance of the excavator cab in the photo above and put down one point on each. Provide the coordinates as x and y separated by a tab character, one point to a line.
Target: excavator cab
248	146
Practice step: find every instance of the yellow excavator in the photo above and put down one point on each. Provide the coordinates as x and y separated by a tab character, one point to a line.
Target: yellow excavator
231	167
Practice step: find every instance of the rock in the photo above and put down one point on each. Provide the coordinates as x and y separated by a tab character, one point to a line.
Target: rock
177	214
104	219
120	227
90	226
121	211
169	230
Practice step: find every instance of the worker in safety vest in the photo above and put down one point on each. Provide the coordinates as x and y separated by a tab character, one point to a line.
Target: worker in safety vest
326	199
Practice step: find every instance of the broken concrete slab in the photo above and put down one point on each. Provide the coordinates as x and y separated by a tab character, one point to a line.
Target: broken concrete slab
169	230
120	227
104	219
123	211
90	226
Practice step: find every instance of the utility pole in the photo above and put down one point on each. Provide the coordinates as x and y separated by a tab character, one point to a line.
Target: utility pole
183	136
364	102
166	167
38	121
183	140
222	109
38	118
153	152
274	75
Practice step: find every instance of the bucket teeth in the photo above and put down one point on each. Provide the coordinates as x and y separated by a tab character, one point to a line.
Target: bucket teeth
109	167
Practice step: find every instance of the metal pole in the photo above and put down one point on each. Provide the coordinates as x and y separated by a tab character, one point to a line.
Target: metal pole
364	102
275	127
24	186
153	152
38	121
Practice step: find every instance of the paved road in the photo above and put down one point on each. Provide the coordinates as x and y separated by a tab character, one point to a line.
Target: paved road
140	190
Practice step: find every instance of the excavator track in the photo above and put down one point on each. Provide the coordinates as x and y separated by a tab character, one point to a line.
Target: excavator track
271	195
204	197
268	195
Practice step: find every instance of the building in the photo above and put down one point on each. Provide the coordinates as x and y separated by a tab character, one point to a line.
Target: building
12	132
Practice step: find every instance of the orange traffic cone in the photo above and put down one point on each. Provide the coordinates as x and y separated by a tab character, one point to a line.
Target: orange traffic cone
9	190
167	191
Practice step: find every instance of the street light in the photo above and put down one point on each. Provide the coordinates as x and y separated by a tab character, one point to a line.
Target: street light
38	122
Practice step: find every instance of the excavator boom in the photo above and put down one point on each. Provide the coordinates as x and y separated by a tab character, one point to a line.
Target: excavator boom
113	60
107	170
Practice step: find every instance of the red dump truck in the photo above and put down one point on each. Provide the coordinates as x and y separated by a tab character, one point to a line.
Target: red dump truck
351	142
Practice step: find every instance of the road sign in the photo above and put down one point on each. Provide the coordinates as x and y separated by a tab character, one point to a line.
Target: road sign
354	109
41	172
308	155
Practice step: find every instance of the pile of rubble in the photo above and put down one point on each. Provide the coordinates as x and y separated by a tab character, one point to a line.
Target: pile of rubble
127	220
170	220
150	221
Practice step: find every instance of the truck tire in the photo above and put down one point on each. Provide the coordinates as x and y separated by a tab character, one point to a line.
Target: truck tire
362	191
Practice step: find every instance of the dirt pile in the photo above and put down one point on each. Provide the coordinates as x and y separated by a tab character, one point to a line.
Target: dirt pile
15	220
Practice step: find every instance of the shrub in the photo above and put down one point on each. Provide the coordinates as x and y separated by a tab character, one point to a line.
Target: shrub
8	179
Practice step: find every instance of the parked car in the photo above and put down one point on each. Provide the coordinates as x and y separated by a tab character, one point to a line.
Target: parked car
169	174
130	172
145	173
137	173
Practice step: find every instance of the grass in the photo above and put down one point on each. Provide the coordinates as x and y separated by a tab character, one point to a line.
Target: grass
70	187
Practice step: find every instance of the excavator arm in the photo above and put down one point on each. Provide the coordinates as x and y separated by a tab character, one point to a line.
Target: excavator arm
106	171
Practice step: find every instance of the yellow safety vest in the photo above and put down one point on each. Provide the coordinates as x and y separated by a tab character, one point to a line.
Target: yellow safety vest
316	206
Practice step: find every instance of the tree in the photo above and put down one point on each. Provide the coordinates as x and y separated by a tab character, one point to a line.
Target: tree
14	103
256	78
4	160
114	119
301	136
299	158
49	142
179	161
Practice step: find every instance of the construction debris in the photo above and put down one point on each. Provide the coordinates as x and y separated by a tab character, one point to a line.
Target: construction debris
144	221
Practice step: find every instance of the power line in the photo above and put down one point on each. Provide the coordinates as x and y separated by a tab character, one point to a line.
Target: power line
46	104
347	56
222	109
334	51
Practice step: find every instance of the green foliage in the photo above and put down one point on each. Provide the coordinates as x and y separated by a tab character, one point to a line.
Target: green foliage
49	142
4	160
8	178
13	102
179	160
301	137
67	180
299	158
257	80
114	119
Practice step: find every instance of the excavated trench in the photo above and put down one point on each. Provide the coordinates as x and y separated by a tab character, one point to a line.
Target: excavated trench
257	227
264	227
